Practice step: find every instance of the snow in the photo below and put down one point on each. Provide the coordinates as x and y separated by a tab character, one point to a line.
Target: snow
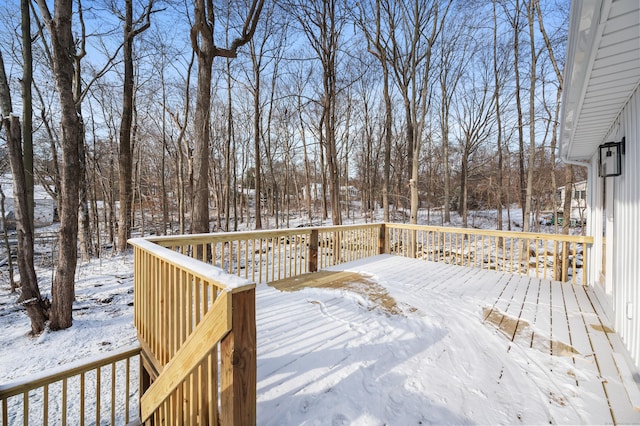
210	272
335	357
102	320
332	356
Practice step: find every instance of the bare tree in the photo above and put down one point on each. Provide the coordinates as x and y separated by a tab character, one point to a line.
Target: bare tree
497	102
27	103
378	46
131	28
30	298
414	29
475	120
555	119
515	21
63	49
454	52
322	22
266	49
531	17
203	44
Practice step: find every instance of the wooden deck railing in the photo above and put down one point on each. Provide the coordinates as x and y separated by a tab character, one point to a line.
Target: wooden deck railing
101	391
551	256
265	256
196	323
196	326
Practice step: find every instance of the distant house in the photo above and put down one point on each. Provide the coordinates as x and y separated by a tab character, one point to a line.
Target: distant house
45	205
601	131
350	192
314	191
578	201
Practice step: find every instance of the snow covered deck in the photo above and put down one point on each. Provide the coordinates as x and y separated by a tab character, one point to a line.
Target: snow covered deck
393	340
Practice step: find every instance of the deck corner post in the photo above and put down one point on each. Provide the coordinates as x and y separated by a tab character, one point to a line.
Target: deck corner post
313	251
239	363
382	237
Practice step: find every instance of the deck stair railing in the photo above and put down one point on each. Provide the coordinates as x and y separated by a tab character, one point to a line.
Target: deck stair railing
103	390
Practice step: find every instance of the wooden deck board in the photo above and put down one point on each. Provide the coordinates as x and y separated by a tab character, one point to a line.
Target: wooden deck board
555	318
559	325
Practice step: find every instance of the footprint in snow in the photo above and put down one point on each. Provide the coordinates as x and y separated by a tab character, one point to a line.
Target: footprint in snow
340	420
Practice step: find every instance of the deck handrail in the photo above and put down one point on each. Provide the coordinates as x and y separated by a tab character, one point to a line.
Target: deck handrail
493	232
265	256
16	396
186	313
255	254
549	256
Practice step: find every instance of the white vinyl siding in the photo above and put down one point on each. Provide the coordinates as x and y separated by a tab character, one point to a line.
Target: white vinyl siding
623	245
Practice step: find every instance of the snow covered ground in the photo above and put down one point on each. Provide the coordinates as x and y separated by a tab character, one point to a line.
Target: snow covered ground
102	320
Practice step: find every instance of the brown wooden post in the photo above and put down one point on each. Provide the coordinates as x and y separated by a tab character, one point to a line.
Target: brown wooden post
239	367
382	235
313	251
145	381
565	262
413	244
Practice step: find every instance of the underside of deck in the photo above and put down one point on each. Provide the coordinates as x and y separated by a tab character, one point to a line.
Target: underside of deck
473	333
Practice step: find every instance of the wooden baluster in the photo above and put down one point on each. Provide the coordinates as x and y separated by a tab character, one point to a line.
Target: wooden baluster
97	398
113	393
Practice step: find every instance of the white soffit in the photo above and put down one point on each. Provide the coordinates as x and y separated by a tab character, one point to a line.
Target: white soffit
602	71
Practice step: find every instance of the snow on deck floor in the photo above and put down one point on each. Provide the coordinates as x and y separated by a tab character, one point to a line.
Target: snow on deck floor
460	346
447	345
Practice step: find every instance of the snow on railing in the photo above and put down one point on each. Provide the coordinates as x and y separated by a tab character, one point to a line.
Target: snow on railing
196	326
266	256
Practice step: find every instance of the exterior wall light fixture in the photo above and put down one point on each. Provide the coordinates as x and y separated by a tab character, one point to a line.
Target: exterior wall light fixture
610	158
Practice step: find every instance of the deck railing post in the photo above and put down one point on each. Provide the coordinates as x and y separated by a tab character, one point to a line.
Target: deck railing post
144	382
313	251
413	244
239	364
565	261
382	237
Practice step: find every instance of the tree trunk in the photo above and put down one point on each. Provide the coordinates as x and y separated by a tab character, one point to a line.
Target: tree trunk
516	69
256	150
5	240
204	52
445	159
388	128
498	120
86	249
27	105
203	45
63	44
125	172
30	298
532	120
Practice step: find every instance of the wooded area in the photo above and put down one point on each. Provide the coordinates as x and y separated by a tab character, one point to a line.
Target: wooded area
170	117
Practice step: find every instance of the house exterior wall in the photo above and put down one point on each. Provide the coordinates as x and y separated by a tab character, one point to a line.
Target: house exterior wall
616	275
